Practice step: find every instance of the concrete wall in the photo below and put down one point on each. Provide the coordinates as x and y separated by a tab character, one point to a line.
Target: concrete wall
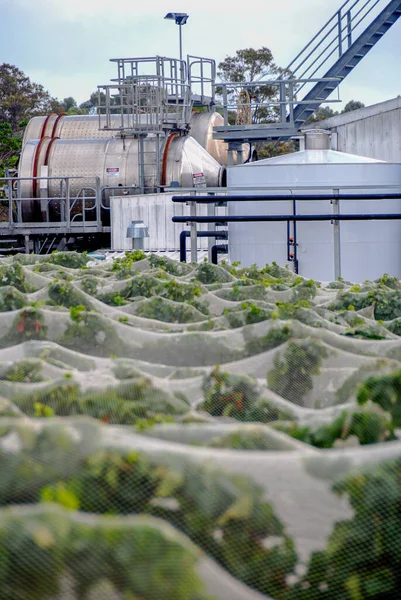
374	131
156	211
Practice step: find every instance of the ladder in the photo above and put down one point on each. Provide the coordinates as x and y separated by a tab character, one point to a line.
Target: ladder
337	49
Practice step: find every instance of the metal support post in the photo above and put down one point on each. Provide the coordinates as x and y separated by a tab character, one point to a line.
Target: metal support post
291	100
27	244
336	237
340	34
283	104
349	28
234	147
9	192
194	236
225	106
211	212
99	204
68	202
141	158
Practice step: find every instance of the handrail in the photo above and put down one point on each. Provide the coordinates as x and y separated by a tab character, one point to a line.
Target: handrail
280	218
283	197
342	22
12	192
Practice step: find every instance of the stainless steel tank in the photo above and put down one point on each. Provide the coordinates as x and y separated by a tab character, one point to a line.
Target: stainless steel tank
115	162
87	127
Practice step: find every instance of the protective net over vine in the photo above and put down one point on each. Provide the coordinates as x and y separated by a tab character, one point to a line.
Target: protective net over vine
197	432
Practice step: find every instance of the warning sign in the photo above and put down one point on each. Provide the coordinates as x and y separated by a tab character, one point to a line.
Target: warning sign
112	172
199	180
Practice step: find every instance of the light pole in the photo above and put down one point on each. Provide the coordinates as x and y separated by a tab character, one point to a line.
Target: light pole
180	20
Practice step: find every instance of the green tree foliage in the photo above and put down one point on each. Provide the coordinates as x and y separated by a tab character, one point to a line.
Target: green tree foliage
90	106
322	113
246	66
69	102
352	105
326	112
10	146
21	98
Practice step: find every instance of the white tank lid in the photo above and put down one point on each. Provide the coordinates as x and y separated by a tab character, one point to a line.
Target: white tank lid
312	157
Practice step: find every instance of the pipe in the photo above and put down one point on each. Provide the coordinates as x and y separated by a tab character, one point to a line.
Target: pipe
219	235
278	218
292	243
216	250
264	197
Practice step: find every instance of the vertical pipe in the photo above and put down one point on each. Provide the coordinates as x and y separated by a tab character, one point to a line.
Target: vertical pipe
336	237
294	212
183	246
194	234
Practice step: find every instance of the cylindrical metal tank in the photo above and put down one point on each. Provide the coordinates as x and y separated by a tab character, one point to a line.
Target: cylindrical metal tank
367	248
201	128
115	162
87	127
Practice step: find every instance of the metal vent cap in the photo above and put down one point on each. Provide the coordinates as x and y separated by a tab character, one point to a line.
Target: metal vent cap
317	139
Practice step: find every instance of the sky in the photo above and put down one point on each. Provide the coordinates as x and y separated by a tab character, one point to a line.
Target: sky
66	44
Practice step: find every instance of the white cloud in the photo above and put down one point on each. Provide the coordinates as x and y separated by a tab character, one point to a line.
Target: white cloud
106	29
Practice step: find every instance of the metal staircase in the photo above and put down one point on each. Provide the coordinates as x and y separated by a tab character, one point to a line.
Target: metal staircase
337	49
314	74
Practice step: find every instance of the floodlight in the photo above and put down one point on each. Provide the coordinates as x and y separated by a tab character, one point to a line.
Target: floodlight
179	18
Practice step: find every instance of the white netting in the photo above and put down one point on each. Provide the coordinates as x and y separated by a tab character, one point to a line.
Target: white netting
181	432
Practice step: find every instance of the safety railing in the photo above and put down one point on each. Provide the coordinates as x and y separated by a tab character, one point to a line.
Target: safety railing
150	95
202	79
330	194
336	36
283	94
68	203
144	105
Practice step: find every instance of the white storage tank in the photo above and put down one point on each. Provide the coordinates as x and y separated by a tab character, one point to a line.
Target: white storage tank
368	249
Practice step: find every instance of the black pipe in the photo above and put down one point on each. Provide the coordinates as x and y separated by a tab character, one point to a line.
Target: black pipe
216	250
292	243
278	218
275	197
219	235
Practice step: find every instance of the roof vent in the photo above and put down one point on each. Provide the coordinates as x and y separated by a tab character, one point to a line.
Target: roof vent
317	139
